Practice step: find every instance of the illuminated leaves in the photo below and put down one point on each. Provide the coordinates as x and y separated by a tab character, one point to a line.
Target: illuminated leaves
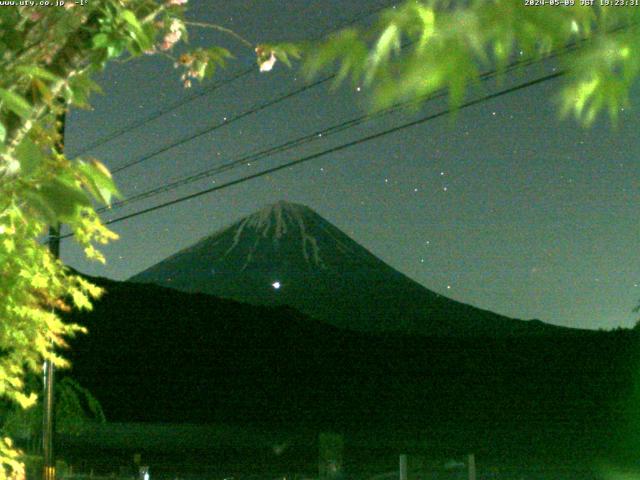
284	52
35	71
602	77
80	300
75	410
202	63
97	180
214	57
347	48
80	87
15	103
422	47
30	157
121	29
11	457
387	43
40	187
268	55
64	198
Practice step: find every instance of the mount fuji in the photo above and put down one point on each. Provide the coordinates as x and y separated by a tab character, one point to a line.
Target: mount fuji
287	254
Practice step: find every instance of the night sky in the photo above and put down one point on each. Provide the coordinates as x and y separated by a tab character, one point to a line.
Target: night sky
505	207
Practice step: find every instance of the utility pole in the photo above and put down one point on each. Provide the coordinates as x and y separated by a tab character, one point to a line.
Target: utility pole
403	467
49	467
471	466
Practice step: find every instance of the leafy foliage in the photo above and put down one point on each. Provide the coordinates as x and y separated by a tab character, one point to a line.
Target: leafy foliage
47	59
424	46
267	55
75	410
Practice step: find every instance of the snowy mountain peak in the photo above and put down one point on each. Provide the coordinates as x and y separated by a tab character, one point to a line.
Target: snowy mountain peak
277	219
275	222
288	254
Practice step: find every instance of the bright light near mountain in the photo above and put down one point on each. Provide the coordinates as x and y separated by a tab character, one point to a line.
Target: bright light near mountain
276	285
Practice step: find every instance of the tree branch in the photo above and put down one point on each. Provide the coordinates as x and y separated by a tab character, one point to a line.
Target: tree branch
222	29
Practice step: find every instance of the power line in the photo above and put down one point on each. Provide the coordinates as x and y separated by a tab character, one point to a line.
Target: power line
225	123
253	157
333	129
205	91
270	103
221	124
306	138
239	116
352	143
161	112
338	148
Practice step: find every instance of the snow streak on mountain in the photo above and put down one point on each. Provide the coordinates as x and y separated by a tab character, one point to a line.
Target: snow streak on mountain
288	254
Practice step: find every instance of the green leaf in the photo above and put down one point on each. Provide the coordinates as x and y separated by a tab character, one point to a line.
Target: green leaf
150	33
99	181
283	51
3	133
43	89
352	64
427	17
37	72
64	198
388	43
81	88
218	54
101	40
130	17
29	155
80	300
15	103
114	50
143	42
43	209
320	57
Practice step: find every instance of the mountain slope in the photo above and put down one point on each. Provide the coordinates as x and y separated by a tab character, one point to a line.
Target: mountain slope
286	254
159	355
